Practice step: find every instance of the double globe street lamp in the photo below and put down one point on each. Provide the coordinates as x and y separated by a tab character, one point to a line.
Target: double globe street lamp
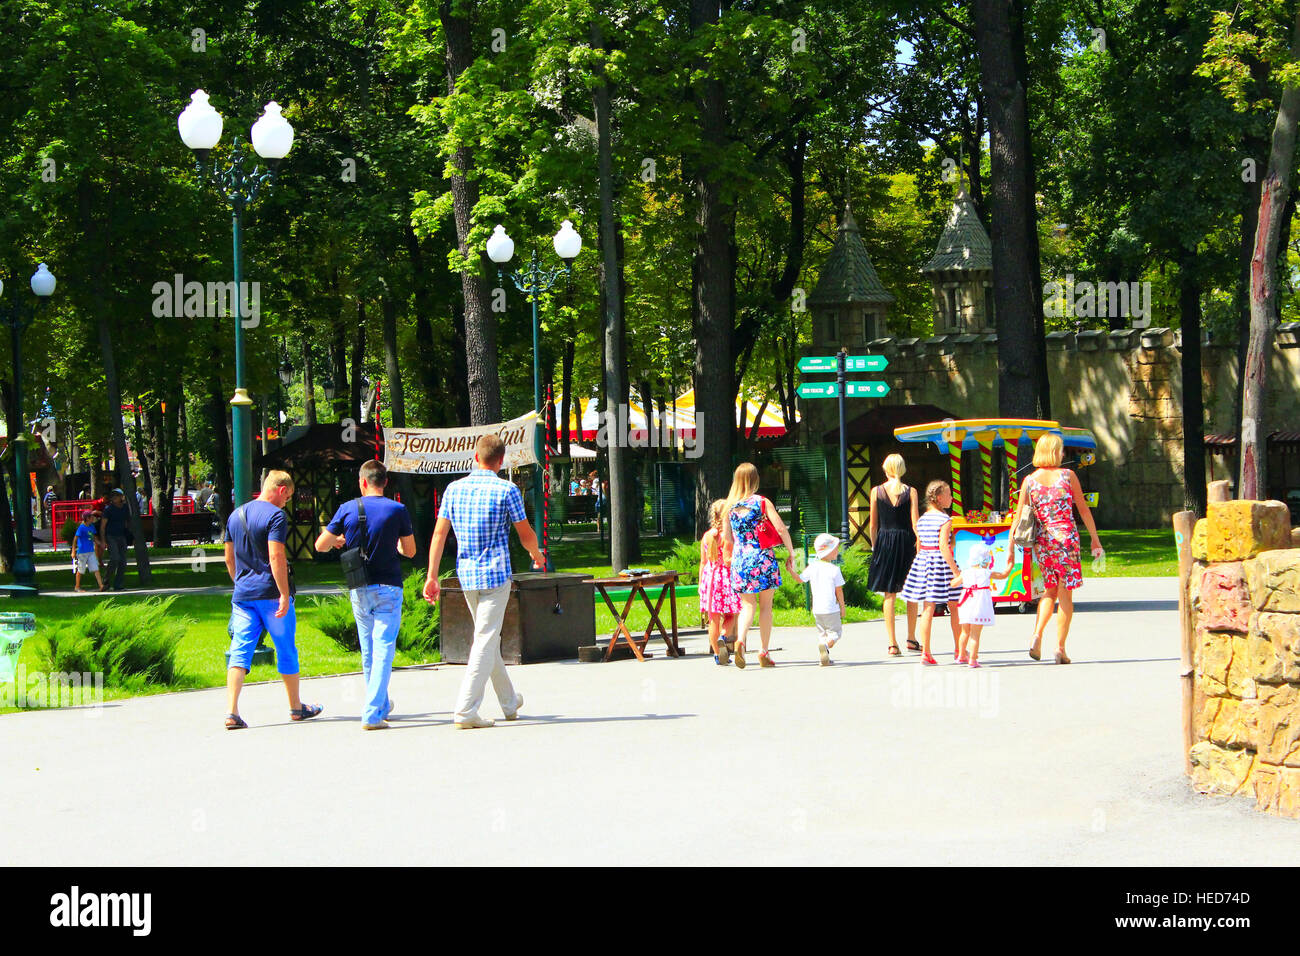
200	127
533	281
18	317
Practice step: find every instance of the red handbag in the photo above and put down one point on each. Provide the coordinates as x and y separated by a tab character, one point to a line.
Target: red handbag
763	530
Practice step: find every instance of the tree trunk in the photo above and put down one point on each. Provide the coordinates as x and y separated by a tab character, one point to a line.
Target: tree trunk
621	513
1189	303
184	426
1274	193
308	386
8	540
566	398
392	365
427	360
355	398
1010	200
99	283
480	323
712	307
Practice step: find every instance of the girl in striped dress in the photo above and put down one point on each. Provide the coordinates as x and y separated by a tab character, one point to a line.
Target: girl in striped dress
929	581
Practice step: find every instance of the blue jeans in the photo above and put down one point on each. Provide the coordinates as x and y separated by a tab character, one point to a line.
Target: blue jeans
378	610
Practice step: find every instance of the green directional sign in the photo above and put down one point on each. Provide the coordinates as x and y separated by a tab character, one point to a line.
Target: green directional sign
854	390
853	363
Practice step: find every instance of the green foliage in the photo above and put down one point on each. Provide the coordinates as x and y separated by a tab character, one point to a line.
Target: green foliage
684	558
132	644
418	634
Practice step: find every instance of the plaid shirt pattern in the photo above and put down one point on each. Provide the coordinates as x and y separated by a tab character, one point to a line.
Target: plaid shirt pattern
481	508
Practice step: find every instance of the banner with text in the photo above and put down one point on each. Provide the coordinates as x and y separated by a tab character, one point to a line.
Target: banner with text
450	451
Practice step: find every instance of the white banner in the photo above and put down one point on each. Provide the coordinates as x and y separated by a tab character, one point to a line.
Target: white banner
450	451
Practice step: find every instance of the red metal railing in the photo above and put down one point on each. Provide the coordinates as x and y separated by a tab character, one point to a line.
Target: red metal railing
61	511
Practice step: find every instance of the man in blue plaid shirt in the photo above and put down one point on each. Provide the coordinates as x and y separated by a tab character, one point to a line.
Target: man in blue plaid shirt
480	508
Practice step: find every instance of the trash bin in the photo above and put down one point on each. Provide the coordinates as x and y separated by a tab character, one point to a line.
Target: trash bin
15	628
548	618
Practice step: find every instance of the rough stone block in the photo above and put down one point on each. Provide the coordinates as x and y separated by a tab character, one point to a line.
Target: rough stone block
1204	716
1278	736
1224	601
1240	682
1217	769
1274	580
1243	529
1213	661
1194	583
1274	647
1199	541
1277	789
1295	537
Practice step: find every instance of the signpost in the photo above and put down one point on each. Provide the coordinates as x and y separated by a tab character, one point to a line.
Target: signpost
841	364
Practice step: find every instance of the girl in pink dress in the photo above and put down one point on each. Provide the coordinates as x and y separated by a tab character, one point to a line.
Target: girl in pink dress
717	599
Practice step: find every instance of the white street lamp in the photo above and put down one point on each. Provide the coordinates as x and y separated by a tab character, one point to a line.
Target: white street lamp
567	242
272	135
200	124
500	247
43	281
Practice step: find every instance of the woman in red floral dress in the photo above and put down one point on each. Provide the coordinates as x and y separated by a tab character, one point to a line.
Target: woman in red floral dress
1054	492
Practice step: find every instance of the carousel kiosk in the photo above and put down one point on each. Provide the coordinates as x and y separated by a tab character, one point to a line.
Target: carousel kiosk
984	525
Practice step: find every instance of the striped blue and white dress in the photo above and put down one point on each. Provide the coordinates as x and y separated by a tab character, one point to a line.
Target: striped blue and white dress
930	578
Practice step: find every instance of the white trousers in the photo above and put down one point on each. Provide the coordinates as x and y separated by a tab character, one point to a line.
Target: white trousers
488	609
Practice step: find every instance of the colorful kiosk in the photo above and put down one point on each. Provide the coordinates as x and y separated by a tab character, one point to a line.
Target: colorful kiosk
974	525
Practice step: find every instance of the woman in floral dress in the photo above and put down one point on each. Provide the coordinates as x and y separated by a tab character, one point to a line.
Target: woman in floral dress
755	573
1054	492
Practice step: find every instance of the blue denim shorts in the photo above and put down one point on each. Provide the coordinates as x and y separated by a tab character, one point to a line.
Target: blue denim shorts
247	621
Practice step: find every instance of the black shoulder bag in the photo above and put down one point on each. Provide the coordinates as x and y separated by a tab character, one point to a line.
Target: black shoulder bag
355	561
267	558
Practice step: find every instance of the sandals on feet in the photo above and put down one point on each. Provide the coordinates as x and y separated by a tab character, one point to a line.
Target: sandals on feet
913	645
235	722
894	651
305	712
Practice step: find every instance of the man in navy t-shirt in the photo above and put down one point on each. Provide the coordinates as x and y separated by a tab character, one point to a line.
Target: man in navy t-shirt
385	537
257	563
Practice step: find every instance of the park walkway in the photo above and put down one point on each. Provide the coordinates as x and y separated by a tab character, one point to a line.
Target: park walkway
873	760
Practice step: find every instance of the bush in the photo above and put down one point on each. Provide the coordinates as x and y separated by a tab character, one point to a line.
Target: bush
418	634
132	644
685	560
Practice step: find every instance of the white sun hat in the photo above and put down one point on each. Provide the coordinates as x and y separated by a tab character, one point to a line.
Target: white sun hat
824	544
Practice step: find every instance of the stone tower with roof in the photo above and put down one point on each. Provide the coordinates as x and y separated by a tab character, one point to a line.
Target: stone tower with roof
850	305
961	273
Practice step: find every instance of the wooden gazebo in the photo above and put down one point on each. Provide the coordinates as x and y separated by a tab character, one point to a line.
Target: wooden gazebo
324	469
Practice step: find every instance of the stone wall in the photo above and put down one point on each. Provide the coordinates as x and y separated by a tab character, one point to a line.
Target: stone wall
1245	596
1124	386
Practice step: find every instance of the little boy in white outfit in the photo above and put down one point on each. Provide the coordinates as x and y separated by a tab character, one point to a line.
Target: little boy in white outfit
827	583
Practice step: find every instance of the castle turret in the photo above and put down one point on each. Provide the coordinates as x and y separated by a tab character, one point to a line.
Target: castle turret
850	305
961	272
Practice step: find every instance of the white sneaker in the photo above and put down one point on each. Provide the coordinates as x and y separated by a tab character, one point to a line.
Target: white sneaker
473	722
825	653
382	725
519	703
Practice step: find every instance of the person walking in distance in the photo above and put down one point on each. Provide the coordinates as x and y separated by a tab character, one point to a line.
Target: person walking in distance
479	509
381	529
113	529
263	597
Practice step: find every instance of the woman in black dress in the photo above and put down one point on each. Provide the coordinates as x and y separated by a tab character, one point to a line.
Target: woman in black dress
893	546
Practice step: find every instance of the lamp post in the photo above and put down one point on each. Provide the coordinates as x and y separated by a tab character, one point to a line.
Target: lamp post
18	316
200	128
285	373
533	281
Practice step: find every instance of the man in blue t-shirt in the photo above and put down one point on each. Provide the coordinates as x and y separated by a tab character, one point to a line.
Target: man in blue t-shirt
385	537
84	559
258	564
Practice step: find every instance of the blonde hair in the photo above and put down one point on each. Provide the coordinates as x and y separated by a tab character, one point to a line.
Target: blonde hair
743	484
715	525
277	479
1049	451
894	466
933	490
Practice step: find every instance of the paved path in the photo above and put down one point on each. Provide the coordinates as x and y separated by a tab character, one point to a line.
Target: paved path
874	760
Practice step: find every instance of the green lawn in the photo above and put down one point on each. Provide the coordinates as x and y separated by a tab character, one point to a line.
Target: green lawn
201	658
1135	554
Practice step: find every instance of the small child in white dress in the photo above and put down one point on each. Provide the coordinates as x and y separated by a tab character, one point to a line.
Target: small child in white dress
975	608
